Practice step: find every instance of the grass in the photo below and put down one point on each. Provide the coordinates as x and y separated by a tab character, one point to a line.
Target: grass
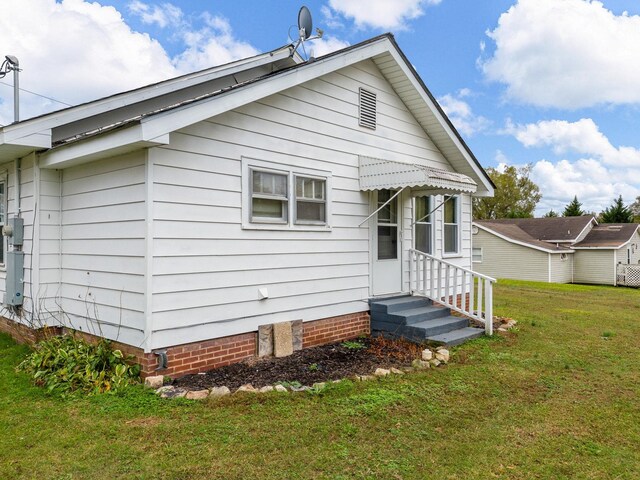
557	399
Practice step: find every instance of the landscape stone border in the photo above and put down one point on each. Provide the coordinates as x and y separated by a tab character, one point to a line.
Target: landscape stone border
429	358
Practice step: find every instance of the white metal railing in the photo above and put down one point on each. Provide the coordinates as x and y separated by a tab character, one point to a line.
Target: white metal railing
444	282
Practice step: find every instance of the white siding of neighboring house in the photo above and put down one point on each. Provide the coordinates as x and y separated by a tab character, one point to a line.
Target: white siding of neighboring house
561	270
207	269
595	266
503	259
631	251
103	247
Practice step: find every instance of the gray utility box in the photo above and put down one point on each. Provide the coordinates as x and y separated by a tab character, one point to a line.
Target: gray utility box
15	277
17	226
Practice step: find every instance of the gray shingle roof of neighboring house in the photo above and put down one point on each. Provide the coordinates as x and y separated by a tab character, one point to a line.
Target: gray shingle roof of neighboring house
608	235
548	229
511	230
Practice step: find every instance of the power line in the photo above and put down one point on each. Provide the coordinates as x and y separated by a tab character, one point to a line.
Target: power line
38	94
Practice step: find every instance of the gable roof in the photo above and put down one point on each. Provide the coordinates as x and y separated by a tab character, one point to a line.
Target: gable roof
609	235
513	233
549	229
151	126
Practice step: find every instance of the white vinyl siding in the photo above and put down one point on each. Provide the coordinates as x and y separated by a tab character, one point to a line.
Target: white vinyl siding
562	267
595	266
503	259
207	268
103	247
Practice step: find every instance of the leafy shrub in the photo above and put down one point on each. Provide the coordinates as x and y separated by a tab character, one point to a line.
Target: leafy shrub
66	364
353	345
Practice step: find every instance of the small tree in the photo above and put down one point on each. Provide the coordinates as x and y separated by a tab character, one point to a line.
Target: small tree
551	214
635	209
573	209
617	213
516	195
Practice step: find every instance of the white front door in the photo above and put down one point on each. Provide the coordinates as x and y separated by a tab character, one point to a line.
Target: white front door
387	252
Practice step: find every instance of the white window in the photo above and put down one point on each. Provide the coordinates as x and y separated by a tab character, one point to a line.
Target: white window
476	255
284	197
423	230
311	200
451	225
269	197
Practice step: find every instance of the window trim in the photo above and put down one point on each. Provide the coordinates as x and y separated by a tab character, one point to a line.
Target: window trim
431	223
291	171
458	224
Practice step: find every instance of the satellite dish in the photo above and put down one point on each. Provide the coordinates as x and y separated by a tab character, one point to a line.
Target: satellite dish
305	24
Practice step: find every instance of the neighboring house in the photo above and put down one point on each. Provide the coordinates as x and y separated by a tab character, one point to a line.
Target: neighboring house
181	217
560	249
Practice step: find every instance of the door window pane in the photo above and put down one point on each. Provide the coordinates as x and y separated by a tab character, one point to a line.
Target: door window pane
387	243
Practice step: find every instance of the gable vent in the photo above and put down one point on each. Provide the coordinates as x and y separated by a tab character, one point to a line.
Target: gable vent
367	109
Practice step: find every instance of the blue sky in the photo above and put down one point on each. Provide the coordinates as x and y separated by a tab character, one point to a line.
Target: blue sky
550	83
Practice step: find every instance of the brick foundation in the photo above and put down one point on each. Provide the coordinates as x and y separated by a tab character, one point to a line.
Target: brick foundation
206	355
335	329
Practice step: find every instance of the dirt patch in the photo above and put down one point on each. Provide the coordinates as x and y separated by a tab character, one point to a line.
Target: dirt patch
311	365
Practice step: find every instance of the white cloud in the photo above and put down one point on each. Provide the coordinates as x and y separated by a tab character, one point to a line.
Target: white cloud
566	54
461	115
380	14
161	15
213	44
77	51
582	137
599	174
324	45
595	185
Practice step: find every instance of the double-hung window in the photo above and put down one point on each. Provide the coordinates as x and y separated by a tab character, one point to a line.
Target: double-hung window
284	197
311	200
423	225
451	225
269	197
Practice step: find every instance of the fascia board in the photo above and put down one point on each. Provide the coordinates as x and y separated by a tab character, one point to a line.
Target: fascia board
166	122
73	114
516	242
40	139
100	146
443	123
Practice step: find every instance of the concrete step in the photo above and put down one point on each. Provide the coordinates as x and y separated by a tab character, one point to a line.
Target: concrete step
414	315
456	337
421	330
395	304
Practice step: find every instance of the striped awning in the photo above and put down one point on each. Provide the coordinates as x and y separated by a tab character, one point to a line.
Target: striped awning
378	174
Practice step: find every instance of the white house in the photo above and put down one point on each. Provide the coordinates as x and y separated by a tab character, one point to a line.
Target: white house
559	250
180	217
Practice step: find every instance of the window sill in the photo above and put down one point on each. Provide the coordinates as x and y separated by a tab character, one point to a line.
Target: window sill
285	228
452	255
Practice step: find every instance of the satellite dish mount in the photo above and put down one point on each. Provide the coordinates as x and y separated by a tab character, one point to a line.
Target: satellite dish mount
305	26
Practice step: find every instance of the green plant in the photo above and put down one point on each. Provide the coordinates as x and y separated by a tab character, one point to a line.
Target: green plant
314	367
607	334
65	364
353	345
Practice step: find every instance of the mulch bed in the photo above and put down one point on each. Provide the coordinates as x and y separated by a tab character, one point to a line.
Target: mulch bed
306	367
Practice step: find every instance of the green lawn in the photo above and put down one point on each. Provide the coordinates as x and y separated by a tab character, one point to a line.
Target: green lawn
559	398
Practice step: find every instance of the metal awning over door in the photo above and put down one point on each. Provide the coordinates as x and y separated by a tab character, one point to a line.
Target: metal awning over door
378	174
